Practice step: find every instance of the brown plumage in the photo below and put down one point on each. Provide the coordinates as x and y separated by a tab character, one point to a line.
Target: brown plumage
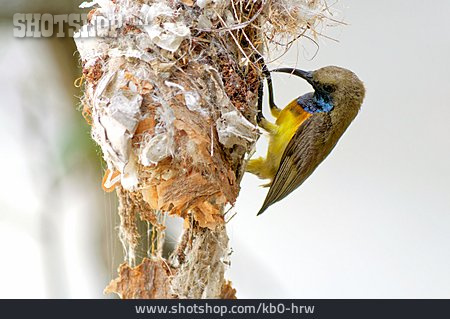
337	98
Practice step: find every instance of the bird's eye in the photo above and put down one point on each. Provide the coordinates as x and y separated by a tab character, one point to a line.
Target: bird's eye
328	88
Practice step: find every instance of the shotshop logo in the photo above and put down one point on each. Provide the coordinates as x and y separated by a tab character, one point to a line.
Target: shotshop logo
37	25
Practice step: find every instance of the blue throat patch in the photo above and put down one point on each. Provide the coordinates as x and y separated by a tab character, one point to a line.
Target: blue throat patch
315	103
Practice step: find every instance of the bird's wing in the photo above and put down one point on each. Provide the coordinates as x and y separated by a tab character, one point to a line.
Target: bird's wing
304	152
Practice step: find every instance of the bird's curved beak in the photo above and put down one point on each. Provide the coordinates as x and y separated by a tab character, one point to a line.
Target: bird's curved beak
306	75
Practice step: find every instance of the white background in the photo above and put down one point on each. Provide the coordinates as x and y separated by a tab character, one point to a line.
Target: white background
373	221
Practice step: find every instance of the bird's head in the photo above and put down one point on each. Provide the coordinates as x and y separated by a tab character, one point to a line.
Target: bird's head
337	84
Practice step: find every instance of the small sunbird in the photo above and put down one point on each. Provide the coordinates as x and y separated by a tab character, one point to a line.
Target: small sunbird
307	129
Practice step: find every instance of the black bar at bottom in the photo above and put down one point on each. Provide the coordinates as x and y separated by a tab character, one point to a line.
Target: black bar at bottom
241	308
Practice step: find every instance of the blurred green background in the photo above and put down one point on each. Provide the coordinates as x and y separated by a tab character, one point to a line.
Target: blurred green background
57	226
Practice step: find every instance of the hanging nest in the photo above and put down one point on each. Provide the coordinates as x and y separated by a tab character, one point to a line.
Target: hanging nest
171	94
